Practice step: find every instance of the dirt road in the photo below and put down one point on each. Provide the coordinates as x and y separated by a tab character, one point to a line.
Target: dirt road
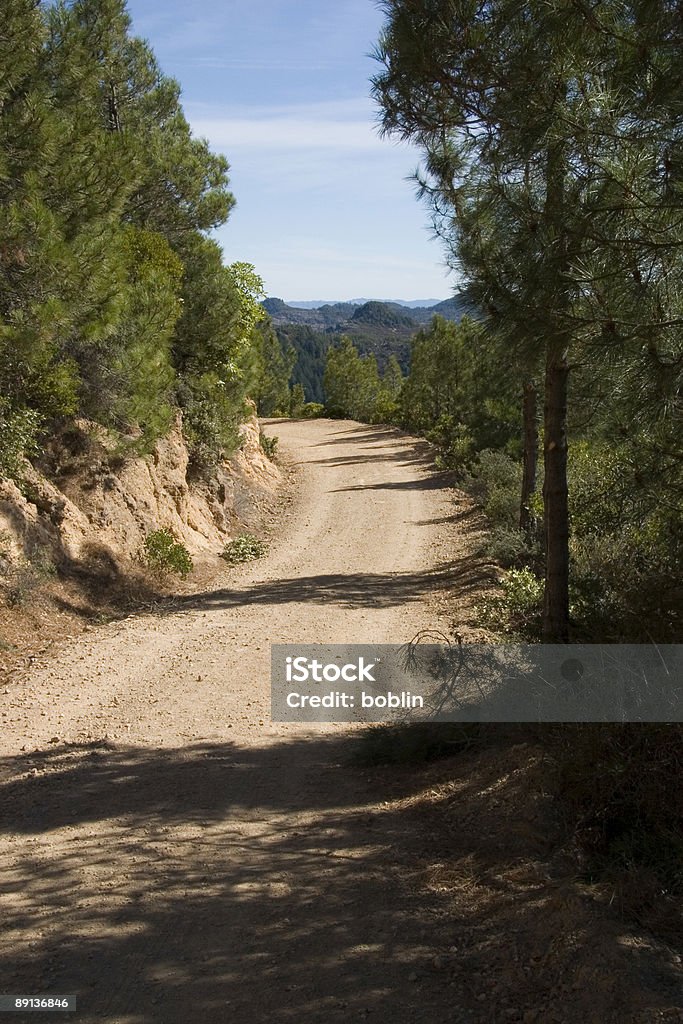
170	854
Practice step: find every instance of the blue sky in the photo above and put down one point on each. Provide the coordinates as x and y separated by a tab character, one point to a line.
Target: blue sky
281	88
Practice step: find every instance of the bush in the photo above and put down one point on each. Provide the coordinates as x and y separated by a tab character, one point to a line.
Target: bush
244	548
454	443
213	411
418	743
496	482
268	445
23	579
313	410
18	433
511	548
626	548
518	610
164	554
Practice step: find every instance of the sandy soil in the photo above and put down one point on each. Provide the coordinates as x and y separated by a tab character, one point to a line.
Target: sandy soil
172	856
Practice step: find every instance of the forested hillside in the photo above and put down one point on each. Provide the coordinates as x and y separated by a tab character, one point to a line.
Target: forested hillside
115	304
379	329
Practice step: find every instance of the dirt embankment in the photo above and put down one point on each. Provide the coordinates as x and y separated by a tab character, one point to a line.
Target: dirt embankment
171	855
71	536
97	500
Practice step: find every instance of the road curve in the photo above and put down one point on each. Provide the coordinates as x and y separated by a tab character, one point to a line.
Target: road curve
173	856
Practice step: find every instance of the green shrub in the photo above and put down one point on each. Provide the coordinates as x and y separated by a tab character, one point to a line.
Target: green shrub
511	548
268	445
626	548
495	481
18	433
244	548
213	411
164	554
518	610
313	410
454	443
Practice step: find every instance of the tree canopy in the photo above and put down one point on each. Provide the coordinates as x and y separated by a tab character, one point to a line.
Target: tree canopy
552	141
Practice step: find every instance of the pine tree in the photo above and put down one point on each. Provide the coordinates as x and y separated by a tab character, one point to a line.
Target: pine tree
35	254
551	140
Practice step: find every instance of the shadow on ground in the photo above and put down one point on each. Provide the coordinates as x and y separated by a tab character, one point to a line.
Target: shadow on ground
273	884
349	590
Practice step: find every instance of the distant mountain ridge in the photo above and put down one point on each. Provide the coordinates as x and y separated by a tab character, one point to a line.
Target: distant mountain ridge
317	303
342	316
381	329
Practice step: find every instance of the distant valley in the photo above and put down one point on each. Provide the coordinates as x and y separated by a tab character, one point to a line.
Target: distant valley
349	316
379	328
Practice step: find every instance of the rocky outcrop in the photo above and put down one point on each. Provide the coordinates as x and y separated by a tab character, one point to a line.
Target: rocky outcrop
100	500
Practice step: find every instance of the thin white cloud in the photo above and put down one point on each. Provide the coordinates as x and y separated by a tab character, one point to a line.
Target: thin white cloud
255	64
343	125
285	133
353	108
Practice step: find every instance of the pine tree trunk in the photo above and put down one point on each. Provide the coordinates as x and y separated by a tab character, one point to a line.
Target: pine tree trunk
555	489
530	458
555	497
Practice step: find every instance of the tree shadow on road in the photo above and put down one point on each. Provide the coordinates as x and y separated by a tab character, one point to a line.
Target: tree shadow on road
349	590
278	883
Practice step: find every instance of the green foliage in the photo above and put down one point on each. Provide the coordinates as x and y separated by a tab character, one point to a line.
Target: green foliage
269	368
310	352
626	545
449	394
113	303
18	438
496	481
132	380
312	410
380	314
510	547
213	348
517	611
244	548
311	344
297	400
164	554
268	444
557	204
354	387
454	443
213	410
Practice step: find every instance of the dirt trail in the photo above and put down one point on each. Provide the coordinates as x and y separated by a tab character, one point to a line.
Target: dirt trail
171	856
349	565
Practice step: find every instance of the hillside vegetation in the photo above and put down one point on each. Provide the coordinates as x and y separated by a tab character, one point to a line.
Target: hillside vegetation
115	304
379	329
